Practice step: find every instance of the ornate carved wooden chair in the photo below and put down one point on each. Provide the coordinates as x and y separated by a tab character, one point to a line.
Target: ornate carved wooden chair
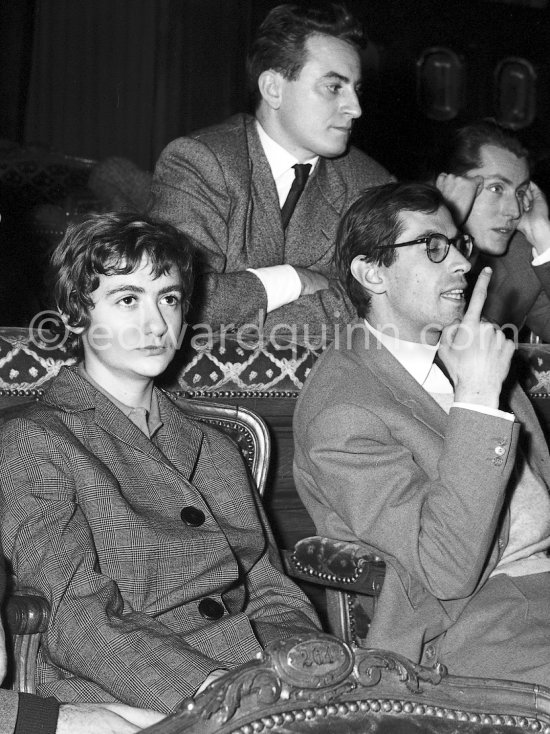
318	684
26	613
352	578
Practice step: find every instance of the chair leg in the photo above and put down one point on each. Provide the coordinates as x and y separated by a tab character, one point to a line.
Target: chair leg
25	652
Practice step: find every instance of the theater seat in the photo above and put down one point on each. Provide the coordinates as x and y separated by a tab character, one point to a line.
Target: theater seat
316	684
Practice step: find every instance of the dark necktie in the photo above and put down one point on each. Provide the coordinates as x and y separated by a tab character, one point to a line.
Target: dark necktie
300	177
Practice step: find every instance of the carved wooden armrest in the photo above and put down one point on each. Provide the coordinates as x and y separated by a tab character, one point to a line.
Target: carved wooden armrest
334	563
27	614
27	617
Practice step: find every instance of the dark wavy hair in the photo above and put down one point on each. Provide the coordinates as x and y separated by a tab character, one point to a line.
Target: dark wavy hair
462	152
374	221
108	244
281	38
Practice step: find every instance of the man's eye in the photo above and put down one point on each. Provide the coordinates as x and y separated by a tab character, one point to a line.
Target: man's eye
496	188
334	88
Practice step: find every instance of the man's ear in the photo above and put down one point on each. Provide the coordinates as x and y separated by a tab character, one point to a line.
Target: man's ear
368	274
73	329
270	86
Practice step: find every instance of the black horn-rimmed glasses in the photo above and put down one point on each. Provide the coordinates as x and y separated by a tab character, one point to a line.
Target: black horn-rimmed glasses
438	245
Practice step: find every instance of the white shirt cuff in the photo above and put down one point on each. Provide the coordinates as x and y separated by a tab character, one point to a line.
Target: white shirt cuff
282	284
485	409
544	257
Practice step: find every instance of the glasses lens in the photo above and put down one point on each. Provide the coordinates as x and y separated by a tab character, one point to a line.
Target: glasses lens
463	243
437	248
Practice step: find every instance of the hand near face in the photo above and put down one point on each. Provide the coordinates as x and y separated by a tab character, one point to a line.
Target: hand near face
534	222
476	352
104	718
459	193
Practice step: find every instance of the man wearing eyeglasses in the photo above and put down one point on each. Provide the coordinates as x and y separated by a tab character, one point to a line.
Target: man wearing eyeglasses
408	441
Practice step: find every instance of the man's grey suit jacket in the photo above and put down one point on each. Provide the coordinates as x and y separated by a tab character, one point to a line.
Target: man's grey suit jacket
519	294
91	517
378	461
216	186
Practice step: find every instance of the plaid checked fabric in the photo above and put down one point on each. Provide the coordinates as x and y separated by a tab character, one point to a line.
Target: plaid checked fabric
90	516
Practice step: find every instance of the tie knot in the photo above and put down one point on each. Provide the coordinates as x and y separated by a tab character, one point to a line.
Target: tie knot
301	172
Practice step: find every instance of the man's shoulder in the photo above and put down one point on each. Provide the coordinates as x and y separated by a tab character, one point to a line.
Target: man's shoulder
358	167
224	146
235	126
343	371
221	137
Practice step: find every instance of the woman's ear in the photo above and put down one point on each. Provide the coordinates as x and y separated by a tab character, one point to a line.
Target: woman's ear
368	274
73	329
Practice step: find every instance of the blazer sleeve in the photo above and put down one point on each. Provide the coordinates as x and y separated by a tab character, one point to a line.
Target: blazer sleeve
326	309
359	481
276	607
130	656
190	191
274	604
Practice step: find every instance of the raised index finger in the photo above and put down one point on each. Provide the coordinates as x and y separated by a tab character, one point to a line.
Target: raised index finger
479	294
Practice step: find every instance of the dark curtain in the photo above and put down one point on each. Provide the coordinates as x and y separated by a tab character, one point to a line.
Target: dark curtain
124	77
16	23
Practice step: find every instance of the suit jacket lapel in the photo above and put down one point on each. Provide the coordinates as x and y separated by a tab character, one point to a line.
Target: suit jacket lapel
406	390
318	210
269	248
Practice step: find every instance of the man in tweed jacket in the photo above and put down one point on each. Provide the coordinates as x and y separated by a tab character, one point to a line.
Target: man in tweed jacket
224	186
138	524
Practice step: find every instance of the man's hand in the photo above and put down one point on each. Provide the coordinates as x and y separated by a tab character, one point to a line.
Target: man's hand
459	193
311	281
104	718
534	222
476	352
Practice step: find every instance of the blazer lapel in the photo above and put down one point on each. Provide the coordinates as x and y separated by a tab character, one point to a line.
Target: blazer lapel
269	248
73	393
406	390
177	431
318	210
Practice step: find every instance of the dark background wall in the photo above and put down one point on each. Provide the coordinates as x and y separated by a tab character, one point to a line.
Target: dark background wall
102	77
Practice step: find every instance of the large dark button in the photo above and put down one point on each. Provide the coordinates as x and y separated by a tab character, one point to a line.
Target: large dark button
210	608
192	516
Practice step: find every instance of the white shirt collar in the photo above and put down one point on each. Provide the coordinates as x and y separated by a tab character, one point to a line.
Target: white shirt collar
415	357
279	159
